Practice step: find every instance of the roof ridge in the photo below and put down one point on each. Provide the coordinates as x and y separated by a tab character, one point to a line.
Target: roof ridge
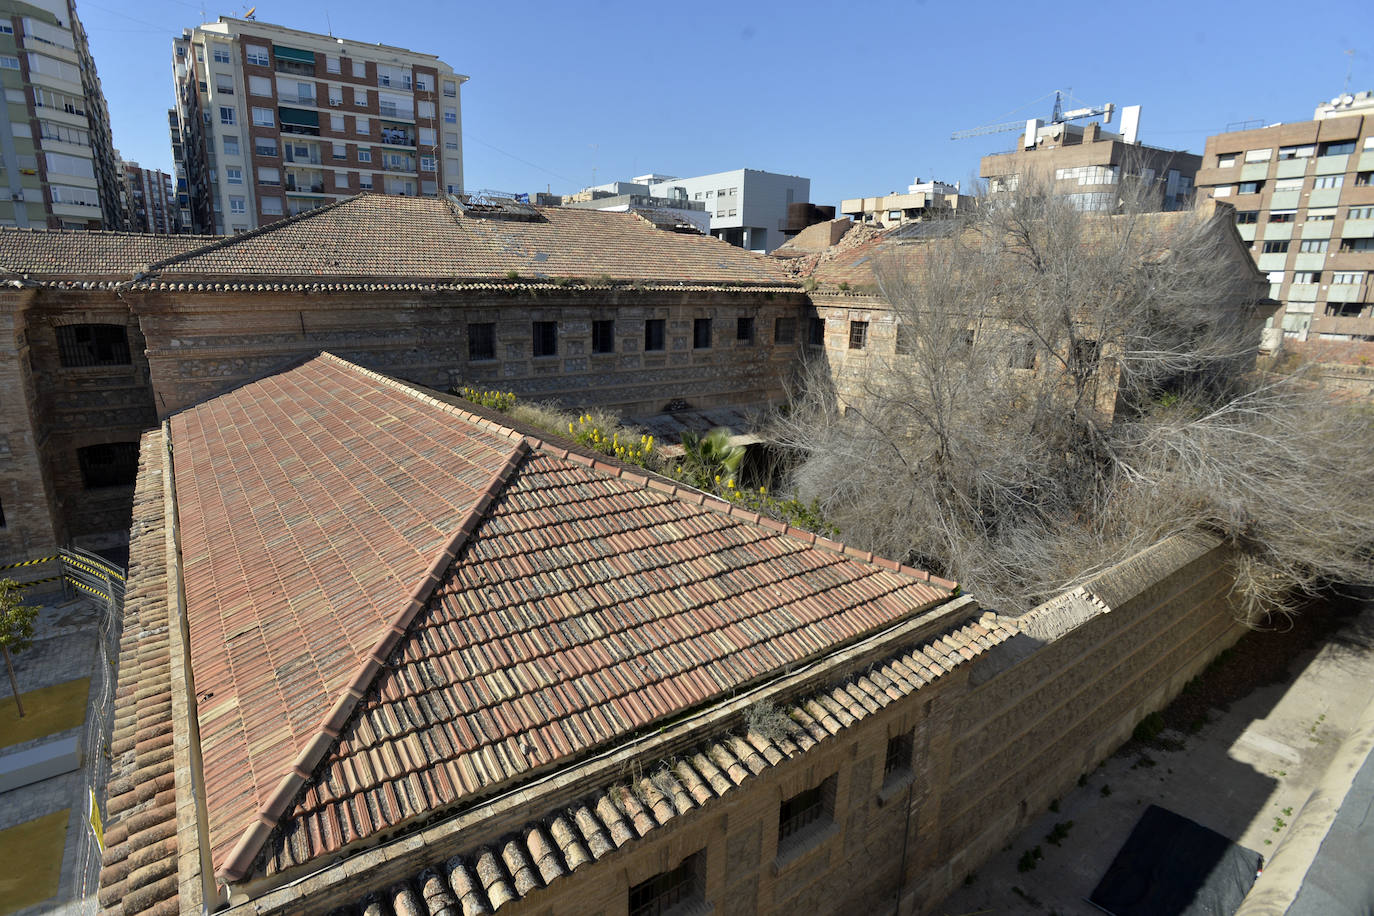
44	230
648	480
240	859
226	241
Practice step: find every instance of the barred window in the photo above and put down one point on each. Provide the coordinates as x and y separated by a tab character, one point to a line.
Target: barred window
858	335
546	338
93	345
653	334
482	341
603	336
800	814
110	464
784	330
664	892
898	760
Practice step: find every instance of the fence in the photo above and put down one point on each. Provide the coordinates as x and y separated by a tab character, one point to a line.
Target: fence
85	575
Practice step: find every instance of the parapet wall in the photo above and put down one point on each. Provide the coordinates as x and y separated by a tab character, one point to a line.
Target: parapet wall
1051	703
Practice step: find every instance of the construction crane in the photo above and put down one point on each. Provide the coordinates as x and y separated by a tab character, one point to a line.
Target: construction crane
1058	116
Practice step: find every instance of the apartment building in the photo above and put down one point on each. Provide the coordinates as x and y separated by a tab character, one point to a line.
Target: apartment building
1087	162
922	200
1304	199
149	200
273	121
56	154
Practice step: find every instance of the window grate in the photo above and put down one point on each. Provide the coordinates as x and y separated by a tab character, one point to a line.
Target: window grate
111	464
653	334
93	345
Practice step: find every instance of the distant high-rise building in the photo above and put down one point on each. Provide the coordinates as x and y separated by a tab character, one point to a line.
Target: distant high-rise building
1304	199
272	121
1086	163
150	201
58	158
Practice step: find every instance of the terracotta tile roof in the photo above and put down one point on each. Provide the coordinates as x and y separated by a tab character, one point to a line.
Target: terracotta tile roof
397	242
511	864
310	513
321	512
97	254
139	867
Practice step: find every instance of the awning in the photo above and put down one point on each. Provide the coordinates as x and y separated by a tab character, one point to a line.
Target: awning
298	117
305	57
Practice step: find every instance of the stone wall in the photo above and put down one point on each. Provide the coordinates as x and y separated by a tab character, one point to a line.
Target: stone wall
203	344
993	742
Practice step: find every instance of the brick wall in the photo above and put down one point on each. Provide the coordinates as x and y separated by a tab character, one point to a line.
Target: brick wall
31	523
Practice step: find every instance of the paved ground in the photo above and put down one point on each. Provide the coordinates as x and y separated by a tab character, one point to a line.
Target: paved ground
1244	774
65	647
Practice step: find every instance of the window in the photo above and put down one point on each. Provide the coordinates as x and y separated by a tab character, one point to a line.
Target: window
364	154
1250	187
894	214
1245	217
335	96
1309	246
263	117
1360	213
1259	155
360	98
897	763
546	338
332	64
653	334
450	89
450	115
1296	152
1344	309
858	335
424	109
1226	160
227	115
1288	184
9	63
265	146
701	333
799	815
1275	247
1338	148
450	140
784	330
231	146
257	54
269	176
363	126
112	464
668	890
429	138
359	68
1364	179
1347	278
234	175
221	54
815	335
482	341
1357	244
336	123
1328	181
236	205
429	164
1321	214
1282	216
1225	190
1307	276
224	84
364	181
60	164
603	336
744	329
340	151
93	345
271	206
422	83
1083	358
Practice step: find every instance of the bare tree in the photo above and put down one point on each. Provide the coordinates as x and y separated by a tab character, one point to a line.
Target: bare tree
1071	387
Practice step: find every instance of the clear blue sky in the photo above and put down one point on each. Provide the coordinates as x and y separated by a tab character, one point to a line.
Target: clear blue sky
858	96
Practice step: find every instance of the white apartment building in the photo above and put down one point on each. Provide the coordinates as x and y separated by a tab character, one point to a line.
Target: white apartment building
56	158
748	208
274	121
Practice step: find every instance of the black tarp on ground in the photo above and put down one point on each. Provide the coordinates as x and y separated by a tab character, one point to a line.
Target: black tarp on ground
1172	866
1340	881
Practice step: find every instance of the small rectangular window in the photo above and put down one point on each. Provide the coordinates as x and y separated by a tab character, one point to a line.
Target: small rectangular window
1275	247
257	55
482	341
1338	148
653	334
799	815
111	464
784	330
603	336
265	146
665	892
898	760
744	329
816	332
264	117
545	338
93	345
701	334
858	335
1246	217
1312	246
227	115
1328	181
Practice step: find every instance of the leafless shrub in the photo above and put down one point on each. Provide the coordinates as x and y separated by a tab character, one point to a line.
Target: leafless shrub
767	721
1072	388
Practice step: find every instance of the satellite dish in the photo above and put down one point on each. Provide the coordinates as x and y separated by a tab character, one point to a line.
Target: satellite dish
251	11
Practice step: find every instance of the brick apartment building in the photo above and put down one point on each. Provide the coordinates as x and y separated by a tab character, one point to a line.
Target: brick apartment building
272	121
149	199
1087	163
1304	199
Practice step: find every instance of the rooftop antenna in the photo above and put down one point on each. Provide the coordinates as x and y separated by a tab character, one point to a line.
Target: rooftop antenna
1349	69
251	13
329	26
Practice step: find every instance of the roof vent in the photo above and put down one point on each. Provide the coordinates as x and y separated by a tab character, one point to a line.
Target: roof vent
497	205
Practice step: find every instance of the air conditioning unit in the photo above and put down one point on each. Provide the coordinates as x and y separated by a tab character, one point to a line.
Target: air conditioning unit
336	102
17	195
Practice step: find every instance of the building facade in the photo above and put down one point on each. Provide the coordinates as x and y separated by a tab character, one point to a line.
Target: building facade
149	199
1087	163
273	121
58	163
1304	200
922	200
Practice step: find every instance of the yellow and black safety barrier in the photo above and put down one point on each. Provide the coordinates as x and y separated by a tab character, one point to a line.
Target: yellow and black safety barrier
32	582
28	563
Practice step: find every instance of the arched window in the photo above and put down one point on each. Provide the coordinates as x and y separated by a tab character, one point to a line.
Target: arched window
93	345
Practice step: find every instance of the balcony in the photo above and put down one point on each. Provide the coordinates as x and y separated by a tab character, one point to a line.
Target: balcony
298	99
294	67
291	154
393	136
304	185
389	110
397	164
